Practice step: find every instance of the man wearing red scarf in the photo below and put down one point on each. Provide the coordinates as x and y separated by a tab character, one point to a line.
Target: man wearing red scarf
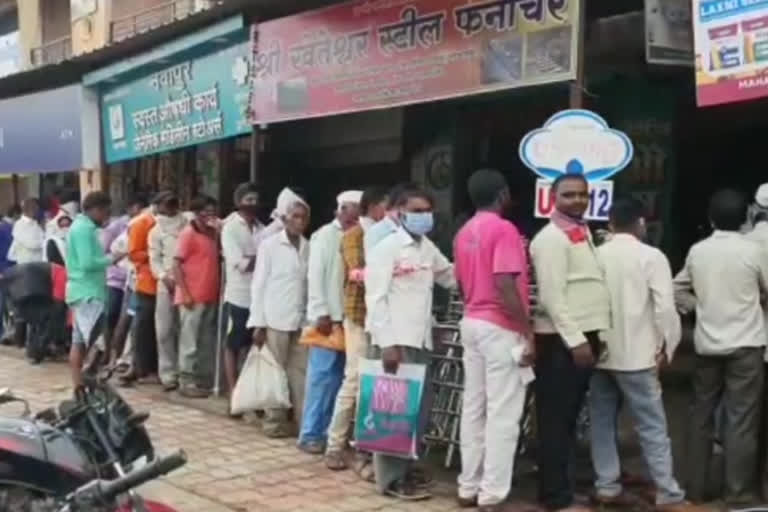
574	307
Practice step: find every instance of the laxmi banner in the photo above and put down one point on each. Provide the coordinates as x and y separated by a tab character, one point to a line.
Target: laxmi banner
374	54
731	39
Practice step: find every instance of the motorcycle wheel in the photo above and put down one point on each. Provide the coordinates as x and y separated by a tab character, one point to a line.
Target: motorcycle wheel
19	499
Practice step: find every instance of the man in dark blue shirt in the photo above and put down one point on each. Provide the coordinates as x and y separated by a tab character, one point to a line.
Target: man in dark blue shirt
6	237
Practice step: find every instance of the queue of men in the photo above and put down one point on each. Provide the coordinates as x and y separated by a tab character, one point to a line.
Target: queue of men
607	321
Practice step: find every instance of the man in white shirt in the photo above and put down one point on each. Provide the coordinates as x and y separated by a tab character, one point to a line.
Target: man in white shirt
644	335
724	277
278	304
325	309
28	235
26	247
400	274
162	242
239	242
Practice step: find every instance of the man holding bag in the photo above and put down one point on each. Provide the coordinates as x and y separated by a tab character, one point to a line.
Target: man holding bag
278	302
400	274
325	311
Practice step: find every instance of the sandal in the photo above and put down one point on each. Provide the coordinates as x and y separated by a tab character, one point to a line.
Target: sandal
278	432
419	477
405	491
363	467
334	460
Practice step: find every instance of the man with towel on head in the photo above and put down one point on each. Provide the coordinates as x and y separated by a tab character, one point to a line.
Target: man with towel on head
325	309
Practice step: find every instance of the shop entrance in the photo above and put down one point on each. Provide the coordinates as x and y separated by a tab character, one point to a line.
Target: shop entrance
720	147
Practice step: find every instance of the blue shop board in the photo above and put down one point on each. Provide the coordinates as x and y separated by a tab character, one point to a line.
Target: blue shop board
191	101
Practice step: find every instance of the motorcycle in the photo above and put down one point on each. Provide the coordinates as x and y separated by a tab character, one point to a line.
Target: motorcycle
87	454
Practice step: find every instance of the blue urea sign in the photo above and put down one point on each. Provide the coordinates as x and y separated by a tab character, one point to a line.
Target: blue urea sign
576	142
189	102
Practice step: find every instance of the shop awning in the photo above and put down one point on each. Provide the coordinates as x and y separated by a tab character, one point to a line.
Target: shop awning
42	132
219	34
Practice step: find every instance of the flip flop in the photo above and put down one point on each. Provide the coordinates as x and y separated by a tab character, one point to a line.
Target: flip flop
405	491
364	469
334	460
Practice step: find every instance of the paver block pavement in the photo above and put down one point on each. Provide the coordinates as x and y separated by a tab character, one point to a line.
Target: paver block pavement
232	466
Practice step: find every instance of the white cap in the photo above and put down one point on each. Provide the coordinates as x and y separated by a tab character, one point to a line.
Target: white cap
285	200
761	196
349	196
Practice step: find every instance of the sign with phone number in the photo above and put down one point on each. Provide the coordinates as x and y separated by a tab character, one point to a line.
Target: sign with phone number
600	200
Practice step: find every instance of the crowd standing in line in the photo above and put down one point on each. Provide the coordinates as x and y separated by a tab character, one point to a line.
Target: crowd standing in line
146	287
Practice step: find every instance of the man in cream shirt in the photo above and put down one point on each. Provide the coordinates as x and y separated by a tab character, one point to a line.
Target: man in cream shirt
644	336
724	277
573	308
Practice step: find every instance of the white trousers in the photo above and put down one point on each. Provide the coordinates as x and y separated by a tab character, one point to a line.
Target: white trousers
494	397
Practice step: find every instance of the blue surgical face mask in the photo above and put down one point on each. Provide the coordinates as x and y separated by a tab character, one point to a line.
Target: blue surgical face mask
418	223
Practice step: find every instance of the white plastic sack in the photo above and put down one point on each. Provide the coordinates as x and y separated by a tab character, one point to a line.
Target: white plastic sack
262	385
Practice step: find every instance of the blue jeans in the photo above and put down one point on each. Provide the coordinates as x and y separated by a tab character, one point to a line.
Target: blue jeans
640	391
325	372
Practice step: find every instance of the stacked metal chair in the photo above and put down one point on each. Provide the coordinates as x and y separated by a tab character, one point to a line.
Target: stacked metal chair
446	376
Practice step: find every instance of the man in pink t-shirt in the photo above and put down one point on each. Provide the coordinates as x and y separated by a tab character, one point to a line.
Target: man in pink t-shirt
492	270
197	295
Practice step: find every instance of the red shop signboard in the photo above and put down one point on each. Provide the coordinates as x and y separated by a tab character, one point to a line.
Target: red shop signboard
376	54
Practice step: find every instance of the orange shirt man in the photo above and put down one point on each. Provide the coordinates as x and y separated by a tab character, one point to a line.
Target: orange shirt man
145	354
138	252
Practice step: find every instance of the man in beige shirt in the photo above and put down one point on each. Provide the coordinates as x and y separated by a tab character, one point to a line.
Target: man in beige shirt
724	277
643	337
573	307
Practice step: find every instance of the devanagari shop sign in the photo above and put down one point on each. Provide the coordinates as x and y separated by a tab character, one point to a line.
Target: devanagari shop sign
190	102
576	142
371	54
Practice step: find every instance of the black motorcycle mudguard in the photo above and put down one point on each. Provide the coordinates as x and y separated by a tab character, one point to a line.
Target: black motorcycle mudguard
38	456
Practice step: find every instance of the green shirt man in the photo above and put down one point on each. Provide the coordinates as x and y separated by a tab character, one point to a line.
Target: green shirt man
86	263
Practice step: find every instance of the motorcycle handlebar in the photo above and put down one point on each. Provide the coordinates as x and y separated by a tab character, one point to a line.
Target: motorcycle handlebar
159	467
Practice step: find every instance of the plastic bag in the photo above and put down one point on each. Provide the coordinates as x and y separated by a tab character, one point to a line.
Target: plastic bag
389	409
262	385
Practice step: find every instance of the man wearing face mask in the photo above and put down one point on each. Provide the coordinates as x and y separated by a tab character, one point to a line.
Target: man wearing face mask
643	338
56	241
239	241
400	273
162	251
325	309
197	293
69	208
574	308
